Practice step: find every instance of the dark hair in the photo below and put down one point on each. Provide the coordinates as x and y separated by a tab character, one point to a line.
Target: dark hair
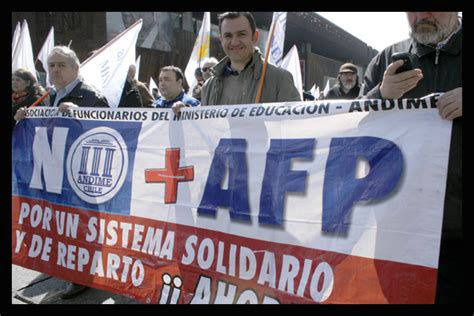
28	76
198	72
176	70
235	15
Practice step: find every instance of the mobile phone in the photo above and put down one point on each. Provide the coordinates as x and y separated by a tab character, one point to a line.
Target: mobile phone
406	57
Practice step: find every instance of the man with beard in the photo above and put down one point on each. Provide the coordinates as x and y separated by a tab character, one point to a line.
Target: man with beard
436	46
348	84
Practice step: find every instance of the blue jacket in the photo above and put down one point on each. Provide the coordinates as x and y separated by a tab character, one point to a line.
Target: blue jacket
186	99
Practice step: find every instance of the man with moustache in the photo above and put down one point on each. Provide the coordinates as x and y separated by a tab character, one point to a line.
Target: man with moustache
348	86
436	46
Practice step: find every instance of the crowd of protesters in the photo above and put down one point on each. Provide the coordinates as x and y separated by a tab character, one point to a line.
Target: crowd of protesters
435	47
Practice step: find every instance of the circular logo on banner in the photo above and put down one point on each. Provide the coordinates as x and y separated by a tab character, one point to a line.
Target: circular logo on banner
97	165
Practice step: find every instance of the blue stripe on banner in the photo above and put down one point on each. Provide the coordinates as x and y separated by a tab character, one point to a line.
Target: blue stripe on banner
91	175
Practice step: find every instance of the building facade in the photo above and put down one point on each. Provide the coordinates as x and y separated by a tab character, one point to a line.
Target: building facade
167	38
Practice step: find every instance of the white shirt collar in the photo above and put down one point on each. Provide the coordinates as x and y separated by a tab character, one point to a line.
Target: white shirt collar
65	91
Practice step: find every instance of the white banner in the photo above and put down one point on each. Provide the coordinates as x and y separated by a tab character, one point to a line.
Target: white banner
301	202
107	69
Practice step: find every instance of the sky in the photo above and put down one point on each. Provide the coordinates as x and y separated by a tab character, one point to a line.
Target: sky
376	29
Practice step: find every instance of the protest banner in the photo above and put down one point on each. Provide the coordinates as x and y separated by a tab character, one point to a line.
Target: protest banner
300	202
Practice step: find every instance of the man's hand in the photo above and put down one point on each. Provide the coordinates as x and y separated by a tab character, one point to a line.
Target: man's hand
450	104
20	114
395	85
176	107
64	106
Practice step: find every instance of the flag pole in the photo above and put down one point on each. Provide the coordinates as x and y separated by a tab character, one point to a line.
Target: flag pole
39	100
265	63
111	42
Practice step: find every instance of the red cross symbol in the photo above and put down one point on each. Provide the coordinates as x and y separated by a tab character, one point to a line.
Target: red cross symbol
170	175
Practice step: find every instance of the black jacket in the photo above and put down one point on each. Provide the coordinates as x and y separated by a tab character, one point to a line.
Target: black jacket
130	97
442	76
337	93
83	95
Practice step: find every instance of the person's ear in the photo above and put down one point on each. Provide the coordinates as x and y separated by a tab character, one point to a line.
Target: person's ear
255	37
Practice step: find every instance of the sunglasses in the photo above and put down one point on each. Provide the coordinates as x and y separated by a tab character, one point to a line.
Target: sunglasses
205	68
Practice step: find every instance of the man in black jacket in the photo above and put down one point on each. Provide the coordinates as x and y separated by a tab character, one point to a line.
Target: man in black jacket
70	88
348	86
135	94
436	47
70	91
130	97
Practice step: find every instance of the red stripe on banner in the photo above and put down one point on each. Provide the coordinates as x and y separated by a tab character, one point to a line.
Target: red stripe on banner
159	262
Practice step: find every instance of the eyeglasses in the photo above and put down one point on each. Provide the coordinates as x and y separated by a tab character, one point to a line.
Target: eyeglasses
205	68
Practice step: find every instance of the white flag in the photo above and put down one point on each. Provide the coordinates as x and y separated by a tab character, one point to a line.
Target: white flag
361	91
16	37
276	49
326	89
316	93
200	51
44	53
107	69
313	90
23	56
291	62
137	66
153	85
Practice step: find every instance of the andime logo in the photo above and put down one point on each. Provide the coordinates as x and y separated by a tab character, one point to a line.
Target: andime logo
97	165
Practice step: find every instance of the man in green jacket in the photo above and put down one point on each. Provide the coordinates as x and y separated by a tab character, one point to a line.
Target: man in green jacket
236	76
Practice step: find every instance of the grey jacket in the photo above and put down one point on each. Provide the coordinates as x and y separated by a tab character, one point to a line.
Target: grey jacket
278	86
